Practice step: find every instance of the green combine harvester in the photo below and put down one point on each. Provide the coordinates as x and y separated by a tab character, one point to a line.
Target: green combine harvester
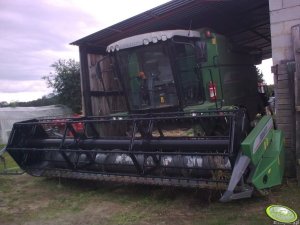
192	121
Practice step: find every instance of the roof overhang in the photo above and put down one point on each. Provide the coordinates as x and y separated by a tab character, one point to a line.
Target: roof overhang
245	22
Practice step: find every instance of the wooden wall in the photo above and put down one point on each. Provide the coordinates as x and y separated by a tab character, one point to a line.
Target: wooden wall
101	94
105	87
100	105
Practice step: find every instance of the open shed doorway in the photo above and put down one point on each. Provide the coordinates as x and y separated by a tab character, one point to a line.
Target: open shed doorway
245	22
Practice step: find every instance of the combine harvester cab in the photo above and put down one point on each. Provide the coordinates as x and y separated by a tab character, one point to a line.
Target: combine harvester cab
190	96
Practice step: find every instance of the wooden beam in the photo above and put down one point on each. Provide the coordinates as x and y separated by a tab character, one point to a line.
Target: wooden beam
296	47
85	82
106	93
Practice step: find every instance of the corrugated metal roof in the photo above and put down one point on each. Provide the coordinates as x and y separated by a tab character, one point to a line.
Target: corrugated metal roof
246	22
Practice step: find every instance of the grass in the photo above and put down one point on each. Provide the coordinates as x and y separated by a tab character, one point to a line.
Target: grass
125	218
26	200
10	164
50	201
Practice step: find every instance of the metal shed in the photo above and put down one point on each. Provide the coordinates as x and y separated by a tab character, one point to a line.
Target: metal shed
245	22
262	26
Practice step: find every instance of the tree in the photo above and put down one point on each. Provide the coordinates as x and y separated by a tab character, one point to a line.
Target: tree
260	76
66	83
4	104
50	99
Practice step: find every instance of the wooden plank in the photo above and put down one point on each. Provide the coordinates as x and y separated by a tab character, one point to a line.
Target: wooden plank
284	120
94	80
282	91
289	142
283	95
287	133
281	88
287	129
284	107
284	127
290	162
106	93
284	101
296	49
281	69
99	104
283	84
85	83
284	112
283	77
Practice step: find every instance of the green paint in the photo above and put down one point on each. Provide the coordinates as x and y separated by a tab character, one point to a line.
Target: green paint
267	156
269	171
234	75
206	106
232	71
248	144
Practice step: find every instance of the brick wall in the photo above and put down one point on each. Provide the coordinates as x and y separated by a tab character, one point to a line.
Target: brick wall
284	14
285	113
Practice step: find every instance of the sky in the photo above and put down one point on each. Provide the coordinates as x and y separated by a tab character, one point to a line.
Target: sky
36	33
